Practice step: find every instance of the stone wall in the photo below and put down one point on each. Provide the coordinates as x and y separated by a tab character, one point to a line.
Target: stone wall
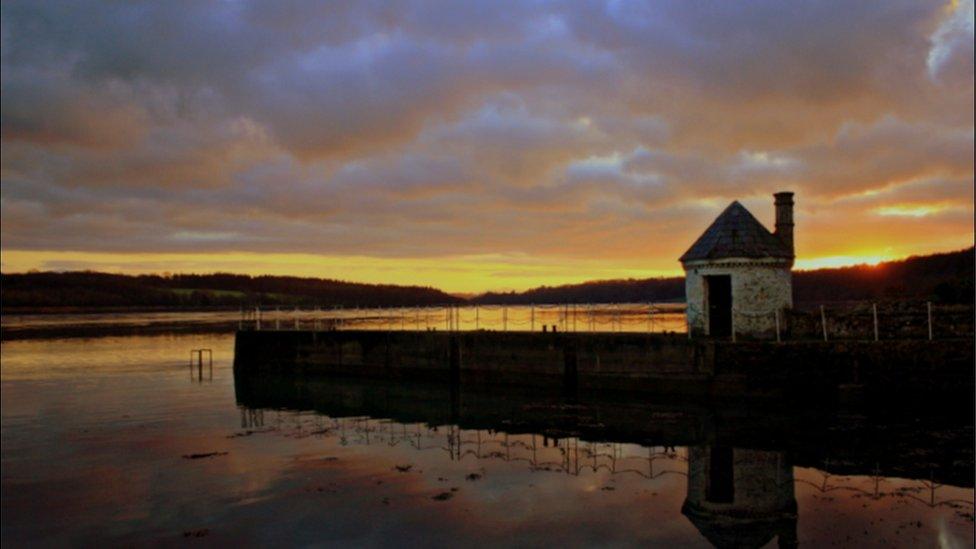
652	363
758	289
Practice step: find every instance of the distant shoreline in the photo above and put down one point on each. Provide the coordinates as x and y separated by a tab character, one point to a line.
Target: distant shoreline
942	278
72	310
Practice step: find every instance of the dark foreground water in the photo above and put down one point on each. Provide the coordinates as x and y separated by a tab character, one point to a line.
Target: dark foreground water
115	441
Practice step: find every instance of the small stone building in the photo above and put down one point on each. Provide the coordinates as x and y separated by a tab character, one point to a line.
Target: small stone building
738	274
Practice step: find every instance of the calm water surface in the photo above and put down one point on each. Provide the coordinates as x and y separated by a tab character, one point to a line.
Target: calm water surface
102	438
627	317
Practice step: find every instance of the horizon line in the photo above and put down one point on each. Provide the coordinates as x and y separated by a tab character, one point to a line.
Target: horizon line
809	265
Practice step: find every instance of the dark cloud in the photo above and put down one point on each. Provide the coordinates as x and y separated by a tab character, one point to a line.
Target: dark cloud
430	129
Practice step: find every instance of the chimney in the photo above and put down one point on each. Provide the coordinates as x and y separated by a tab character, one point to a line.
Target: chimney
784	218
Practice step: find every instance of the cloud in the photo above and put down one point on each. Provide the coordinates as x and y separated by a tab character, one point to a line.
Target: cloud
607	131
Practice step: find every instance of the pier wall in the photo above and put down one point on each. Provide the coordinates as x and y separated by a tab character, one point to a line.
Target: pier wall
661	363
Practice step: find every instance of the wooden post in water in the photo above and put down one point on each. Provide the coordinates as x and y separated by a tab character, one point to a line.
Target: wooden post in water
477	318
504	318
297	324
532	317
874	312
823	321
928	307
257	318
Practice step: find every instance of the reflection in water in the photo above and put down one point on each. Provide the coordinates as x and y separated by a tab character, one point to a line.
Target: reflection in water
736	496
607	317
95	432
741	498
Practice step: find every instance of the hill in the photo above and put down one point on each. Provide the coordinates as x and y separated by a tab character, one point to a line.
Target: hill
945	277
84	289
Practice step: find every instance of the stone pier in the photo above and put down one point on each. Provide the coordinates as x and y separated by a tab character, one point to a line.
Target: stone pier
654	363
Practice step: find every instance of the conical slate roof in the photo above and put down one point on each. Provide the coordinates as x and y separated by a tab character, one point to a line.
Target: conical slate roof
736	233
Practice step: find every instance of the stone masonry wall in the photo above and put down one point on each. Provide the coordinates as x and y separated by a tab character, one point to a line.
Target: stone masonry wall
758	290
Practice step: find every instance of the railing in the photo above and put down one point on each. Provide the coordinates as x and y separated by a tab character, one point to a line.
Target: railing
863	321
848	321
573	317
871	488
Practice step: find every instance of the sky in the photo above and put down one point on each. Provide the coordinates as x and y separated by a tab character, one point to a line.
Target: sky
477	145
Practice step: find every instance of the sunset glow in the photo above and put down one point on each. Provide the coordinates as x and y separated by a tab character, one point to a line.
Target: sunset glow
477	149
920	210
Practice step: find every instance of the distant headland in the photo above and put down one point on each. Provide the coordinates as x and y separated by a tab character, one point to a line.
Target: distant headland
943	277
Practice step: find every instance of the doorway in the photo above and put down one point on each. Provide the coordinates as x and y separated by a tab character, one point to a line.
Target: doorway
718	295
721	475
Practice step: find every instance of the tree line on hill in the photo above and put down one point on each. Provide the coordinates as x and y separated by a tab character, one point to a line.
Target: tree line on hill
86	289
945	278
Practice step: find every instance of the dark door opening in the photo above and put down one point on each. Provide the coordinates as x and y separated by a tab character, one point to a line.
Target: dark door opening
719	297
721	476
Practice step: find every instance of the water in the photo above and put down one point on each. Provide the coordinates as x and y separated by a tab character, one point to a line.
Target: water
618	317
94	434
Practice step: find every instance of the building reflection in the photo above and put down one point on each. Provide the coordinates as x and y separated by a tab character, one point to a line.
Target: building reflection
740	497
739	462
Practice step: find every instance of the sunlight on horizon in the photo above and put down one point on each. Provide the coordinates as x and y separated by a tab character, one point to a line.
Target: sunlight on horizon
457	275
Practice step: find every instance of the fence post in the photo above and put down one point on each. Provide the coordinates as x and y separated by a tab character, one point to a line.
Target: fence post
928	307
776	314
874	311
823	321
